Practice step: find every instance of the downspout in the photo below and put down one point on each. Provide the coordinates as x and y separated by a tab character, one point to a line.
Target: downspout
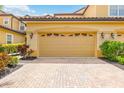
12	22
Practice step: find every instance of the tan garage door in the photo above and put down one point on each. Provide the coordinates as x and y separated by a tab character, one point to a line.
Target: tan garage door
67	45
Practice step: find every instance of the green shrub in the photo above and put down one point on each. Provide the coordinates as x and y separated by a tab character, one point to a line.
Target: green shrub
11	48
2	49
14	61
120	59
111	49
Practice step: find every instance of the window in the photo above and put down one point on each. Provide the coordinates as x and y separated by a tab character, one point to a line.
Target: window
121	10
9	39
116	10
113	10
6	22
22	27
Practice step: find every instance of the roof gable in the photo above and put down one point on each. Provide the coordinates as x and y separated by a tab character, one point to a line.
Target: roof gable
80	11
2	12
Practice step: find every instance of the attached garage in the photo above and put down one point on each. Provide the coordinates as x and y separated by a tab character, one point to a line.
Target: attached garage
120	37
67	44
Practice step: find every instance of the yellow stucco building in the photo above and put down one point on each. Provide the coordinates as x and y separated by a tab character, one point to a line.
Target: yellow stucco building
10	31
77	34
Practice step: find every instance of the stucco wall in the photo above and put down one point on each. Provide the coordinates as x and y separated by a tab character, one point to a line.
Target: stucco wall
18	38
74	26
97	11
33	42
91	11
2	18
102	11
15	24
66	27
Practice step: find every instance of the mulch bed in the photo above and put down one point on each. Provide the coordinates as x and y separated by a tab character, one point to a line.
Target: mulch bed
113	63
8	70
29	58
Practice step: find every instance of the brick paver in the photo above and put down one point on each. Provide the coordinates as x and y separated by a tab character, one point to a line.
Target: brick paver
65	73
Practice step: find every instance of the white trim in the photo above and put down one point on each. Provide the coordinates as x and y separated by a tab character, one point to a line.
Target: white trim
6	19
12	37
108	10
20	25
118	12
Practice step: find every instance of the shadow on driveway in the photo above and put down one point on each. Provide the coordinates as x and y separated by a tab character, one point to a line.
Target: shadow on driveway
60	60
85	60
113	63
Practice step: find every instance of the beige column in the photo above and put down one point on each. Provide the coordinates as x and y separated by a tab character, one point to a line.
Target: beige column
33	42
98	40
106	36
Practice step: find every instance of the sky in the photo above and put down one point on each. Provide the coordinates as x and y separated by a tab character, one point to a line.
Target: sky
22	10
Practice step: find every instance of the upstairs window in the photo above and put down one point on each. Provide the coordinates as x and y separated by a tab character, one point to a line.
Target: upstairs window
6	22
9	38
116	10
113	10
22	27
121	10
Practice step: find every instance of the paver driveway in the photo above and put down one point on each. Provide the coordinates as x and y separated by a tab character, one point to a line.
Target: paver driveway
65	72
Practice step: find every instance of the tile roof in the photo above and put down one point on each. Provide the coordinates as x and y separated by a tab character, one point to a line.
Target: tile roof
52	18
16	31
68	14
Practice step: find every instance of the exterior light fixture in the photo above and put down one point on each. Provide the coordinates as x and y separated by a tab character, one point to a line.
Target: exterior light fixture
112	35
102	35
31	35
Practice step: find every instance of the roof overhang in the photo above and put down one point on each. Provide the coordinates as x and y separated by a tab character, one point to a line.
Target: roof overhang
75	19
19	32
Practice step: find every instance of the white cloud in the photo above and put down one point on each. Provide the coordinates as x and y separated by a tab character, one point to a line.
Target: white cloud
47	14
19	10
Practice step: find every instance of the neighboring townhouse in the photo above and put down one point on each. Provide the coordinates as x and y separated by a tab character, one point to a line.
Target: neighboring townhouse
12	29
95	11
77	34
79	13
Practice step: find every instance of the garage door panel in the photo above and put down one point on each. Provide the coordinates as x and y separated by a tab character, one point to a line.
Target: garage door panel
75	46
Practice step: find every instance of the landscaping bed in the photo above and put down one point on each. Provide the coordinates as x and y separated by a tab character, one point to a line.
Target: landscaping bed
113	51
9	59
29	58
26	53
8	70
10	55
